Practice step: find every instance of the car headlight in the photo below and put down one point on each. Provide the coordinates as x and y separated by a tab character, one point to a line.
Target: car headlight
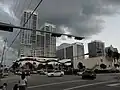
92	74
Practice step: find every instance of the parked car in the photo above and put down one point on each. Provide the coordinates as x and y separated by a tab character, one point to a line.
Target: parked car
79	73
33	72
41	72
38	71
88	74
19	73
27	72
55	73
114	70
5	74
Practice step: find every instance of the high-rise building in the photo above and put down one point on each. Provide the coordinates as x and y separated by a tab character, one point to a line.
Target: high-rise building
28	38
74	52
46	44
70	51
37	44
96	48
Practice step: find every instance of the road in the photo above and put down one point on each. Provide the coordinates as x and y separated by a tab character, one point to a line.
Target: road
68	82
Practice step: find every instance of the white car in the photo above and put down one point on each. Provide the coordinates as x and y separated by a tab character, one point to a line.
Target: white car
34	72
41	72
18	73
5	74
55	73
79	73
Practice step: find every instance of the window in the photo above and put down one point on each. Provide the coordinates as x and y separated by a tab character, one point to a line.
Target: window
57	71
47	28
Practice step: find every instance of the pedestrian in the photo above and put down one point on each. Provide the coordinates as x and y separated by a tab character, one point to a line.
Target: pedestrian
22	82
15	87
4	86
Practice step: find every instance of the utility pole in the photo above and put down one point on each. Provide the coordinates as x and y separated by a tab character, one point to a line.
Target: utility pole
2	58
4	47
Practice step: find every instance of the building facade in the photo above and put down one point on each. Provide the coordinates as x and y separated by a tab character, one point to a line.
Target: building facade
73	51
28	38
70	51
96	48
36	44
46	44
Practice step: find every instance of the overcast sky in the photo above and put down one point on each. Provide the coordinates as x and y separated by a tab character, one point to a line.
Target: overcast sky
94	19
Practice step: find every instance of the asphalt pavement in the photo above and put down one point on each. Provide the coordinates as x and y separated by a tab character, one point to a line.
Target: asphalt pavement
68	82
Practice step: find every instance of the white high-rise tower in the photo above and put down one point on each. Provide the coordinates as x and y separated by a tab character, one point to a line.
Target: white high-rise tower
28	38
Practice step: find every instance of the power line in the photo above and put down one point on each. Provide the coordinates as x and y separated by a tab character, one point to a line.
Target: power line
38	30
25	23
22	8
29	4
15	6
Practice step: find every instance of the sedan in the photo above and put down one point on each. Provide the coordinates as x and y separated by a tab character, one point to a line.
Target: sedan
79	73
88	74
55	73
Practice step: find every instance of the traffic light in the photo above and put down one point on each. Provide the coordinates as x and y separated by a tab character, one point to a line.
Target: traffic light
69	36
56	35
79	38
5	27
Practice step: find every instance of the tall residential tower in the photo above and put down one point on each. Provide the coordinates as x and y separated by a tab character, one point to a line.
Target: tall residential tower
28	38
46	44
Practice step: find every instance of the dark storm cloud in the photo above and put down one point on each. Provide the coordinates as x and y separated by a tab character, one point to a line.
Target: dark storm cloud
7	16
81	17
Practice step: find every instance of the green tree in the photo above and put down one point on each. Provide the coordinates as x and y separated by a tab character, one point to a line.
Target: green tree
80	65
15	65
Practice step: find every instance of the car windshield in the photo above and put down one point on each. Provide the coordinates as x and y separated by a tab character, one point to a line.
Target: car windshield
50	71
57	71
88	71
59	44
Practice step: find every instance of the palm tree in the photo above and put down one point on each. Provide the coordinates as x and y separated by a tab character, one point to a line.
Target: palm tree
15	65
109	53
80	66
116	56
30	65
40	66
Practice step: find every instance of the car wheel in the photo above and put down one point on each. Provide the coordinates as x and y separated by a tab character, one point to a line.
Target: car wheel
52	75
93	78
61	75
83	77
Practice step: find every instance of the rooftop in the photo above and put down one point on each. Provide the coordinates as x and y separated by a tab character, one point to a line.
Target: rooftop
65	45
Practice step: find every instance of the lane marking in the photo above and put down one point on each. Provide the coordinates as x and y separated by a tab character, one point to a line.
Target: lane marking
111	85
49	84
88	85
109	74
